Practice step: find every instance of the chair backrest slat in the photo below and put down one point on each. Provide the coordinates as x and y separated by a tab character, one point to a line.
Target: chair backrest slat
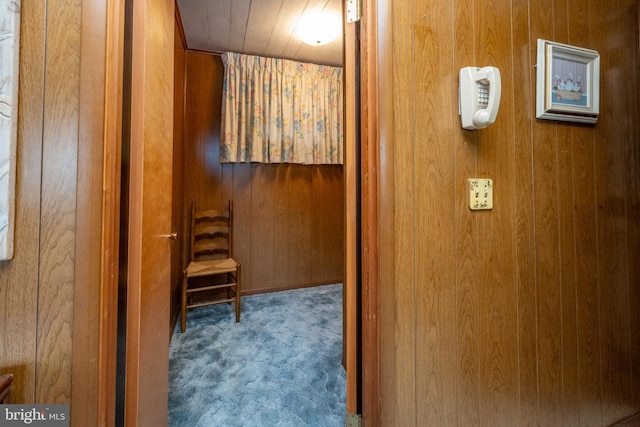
211	233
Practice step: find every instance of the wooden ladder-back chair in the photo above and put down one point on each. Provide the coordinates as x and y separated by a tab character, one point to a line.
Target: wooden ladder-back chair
211	257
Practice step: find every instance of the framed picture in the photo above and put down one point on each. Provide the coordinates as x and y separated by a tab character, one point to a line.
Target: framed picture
567	83
9	50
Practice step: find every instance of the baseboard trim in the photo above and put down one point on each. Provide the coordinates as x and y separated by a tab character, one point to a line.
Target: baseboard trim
289	287
632	421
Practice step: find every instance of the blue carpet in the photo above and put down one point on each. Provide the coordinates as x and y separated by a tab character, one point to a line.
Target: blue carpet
280	366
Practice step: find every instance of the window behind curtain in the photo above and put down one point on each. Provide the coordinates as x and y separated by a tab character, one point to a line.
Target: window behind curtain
280	111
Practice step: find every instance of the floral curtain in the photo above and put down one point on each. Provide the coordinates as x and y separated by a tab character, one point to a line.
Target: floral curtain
280	111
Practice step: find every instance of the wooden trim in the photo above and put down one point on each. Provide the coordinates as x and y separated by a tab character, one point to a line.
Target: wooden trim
111	213
138	22
95	291
290	287
350	204
370	221
377	202
203	52
180	26
631	421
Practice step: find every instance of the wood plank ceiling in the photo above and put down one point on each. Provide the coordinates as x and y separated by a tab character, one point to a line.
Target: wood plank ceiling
257	27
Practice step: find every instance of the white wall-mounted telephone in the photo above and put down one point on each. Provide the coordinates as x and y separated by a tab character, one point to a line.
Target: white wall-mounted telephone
478	96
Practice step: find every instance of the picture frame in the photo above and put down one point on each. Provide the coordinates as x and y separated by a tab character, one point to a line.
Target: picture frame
9	66
567	83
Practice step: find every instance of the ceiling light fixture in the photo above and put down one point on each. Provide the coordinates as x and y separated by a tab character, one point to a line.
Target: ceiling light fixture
318	28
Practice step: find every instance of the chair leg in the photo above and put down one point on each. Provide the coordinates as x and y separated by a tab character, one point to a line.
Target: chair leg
238	291
183	307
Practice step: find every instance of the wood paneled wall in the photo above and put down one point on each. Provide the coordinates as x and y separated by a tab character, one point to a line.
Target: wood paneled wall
527	314
288	219
50	291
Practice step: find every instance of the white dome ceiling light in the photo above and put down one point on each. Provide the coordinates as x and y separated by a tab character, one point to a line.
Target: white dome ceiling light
318	28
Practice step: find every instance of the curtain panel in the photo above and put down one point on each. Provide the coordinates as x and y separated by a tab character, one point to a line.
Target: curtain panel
280	111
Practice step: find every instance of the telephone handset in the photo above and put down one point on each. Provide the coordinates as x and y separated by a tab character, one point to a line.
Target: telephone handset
478	96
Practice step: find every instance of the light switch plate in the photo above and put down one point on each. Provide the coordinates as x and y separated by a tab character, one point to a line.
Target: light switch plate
480	193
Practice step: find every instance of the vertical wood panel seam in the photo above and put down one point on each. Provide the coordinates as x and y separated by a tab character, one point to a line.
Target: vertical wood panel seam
515	217
476	233
473	54
636	133
559	272
577	294
575	265
574	243
597	216
514	192
629	292
39	255
455	223
413	210
559	236
532	76
595	208
625	202
542	232
597	226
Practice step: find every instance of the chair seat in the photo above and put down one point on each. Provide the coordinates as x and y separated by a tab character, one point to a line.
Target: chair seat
206	268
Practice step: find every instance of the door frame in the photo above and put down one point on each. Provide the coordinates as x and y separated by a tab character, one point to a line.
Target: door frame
109	245
376	133
370	184
142	388
351	203
376	173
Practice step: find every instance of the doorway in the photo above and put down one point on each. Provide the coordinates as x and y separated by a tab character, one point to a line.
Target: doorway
141	394
296	242
225	179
